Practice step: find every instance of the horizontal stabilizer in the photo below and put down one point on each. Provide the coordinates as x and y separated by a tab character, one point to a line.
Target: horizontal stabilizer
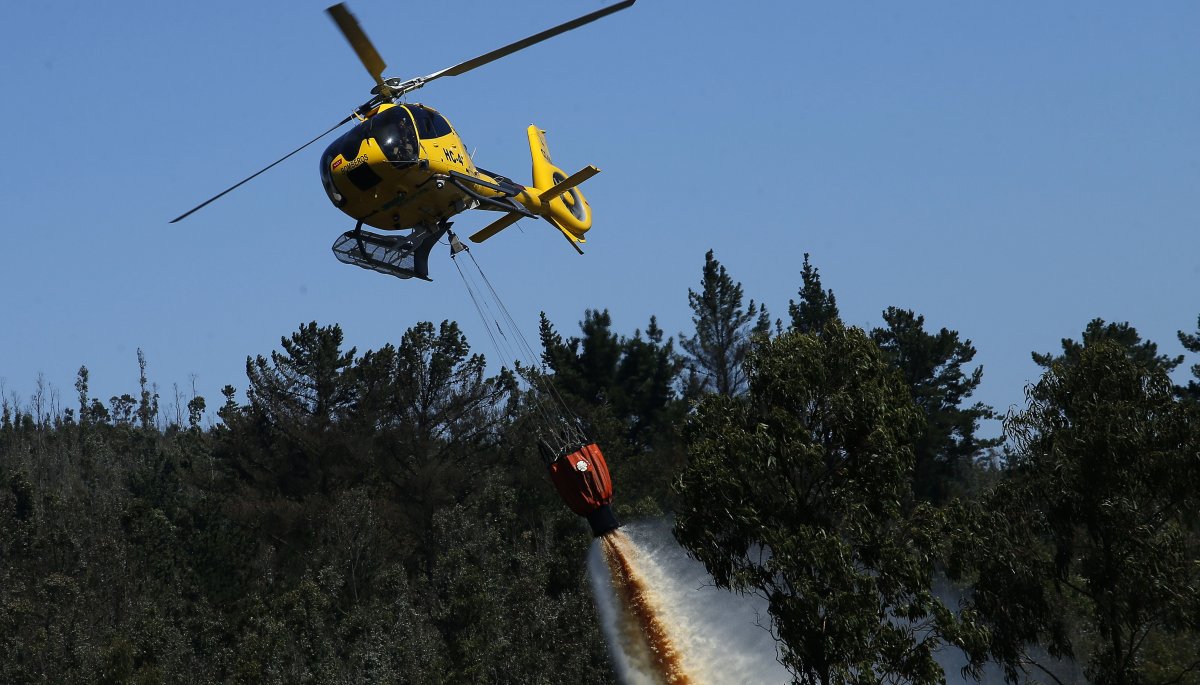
568	183
495	227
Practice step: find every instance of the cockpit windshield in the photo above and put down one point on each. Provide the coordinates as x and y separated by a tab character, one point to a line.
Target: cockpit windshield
346	145
393	131
395	136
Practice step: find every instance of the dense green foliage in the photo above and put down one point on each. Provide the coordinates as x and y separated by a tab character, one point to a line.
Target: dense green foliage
1090	545
373	518
1191	342
932	366
796	494
384	516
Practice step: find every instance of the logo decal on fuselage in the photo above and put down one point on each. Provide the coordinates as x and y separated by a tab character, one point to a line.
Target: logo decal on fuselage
355	163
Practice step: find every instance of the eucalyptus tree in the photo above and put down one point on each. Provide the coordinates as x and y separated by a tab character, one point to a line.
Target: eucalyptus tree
1089	545
796	493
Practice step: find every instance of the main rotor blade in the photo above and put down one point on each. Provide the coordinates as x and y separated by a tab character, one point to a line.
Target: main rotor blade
358	40
494	55
239	183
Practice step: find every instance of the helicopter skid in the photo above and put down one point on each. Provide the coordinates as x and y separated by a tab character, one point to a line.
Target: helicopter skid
402	256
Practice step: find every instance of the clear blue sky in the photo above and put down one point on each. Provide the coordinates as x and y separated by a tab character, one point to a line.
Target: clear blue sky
1008	170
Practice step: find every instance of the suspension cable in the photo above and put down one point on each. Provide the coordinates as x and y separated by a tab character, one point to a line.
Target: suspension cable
488	318
531	358
559	422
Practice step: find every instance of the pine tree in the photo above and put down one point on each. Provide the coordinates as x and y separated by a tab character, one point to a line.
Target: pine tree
297	397
723	332
307	382
147	409
1144	352
230	409
81	387
599	355
584	366
1191	343
647	372
195	409
438	391
628	380
816	307
932	366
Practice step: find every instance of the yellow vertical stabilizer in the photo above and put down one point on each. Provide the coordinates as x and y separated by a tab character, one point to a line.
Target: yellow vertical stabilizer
563	199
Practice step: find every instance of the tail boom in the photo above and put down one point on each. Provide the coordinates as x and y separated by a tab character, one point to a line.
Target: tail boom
554	196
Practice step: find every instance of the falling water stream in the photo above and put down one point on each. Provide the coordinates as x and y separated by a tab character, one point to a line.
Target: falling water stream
666	623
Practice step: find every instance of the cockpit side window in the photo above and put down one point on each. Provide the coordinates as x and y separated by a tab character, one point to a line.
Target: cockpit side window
429	123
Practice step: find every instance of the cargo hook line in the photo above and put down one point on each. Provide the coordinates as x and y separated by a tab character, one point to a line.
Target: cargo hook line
559	422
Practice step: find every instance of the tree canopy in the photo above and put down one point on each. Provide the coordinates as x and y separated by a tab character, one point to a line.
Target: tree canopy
933	367
795	494
1097	519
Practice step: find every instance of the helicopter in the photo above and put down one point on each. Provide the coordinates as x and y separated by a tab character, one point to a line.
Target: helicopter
403	168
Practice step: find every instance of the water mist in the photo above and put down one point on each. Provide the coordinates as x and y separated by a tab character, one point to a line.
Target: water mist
674	626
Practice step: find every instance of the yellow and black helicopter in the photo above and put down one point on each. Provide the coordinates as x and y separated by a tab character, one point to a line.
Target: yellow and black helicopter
403	168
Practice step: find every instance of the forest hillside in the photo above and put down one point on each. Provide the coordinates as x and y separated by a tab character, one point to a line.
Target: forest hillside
384	515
